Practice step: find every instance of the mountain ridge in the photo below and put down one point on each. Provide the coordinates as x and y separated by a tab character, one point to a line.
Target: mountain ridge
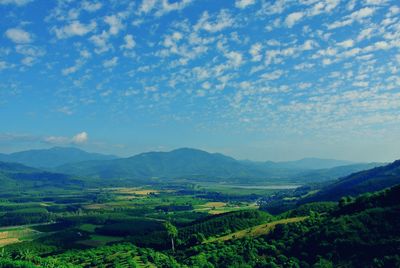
52	157
189	162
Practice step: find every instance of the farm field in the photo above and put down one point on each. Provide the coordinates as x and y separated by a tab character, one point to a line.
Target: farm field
99	217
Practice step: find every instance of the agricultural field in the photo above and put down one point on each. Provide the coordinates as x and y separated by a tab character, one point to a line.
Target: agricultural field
222	207
104	216
12	235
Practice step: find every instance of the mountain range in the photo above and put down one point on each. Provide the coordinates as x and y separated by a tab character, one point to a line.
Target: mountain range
193	165
197	165
184	163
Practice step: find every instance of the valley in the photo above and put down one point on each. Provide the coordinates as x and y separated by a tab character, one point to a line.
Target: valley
53	219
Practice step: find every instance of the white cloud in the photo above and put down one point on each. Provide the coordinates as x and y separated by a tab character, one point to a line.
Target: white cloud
91	6
110	63
28	61
129	42
65	110
346	43
75	28
277	7
80	137
325	6
303	66
222	21
101	42
308	45
358	15
375	2
18	36
147	6
244	3
293	18
167	7
84	55
361	84
235	58
70	70
31	53
115	24
15	2
365	34
5	65
273	75
362	13
56	140
351	5
255	52
382	45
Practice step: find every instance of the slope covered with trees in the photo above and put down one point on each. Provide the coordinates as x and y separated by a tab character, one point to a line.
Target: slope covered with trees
17	177
361	182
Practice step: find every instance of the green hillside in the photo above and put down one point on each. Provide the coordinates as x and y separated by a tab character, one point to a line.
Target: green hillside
15	177
365	181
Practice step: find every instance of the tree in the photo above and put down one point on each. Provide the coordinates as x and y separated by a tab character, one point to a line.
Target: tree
4	254
172	233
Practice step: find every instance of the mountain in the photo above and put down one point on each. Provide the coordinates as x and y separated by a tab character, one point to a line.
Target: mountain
361	182
14	176
53	157
199	165
178	163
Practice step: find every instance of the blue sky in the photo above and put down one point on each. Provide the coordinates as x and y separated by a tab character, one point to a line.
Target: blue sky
254	79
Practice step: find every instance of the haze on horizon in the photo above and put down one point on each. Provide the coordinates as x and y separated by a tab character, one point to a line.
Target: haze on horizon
253	79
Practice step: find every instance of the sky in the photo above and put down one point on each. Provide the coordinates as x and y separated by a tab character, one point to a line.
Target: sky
254	79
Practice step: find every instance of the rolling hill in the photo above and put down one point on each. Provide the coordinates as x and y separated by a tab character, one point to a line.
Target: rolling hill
53	157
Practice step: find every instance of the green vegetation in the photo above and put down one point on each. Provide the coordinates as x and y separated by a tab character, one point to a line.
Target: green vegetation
184	224
365	181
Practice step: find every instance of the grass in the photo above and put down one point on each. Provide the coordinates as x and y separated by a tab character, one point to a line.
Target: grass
87	227
236	189
255	231
215	208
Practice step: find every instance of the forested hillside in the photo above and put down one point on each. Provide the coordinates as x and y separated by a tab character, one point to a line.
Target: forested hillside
361	182
16	177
